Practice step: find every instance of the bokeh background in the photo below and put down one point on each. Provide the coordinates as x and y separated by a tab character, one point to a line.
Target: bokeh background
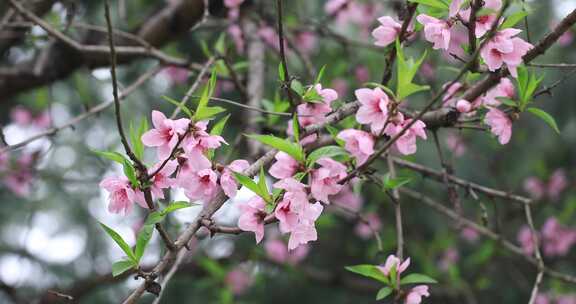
50	202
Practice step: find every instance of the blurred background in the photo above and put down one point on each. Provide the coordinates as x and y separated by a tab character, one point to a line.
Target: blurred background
50	202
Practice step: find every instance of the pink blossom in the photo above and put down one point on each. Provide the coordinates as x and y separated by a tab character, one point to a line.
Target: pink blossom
535	187
233	3
362	74
325	179
504	89
566	299
43	120
449	258
504	48
373	109
454	8
165	133
21	116
200	140
469	234
393	262
306	41
292	206
284	167
238	281
436	31
542	298
557	239
197	177
415	295
525	239
458	38
160	181
557	184
359	143
449	97
235	33
227	180
177	75
463	106
333	6
500	125
277	251
252	217
121	196
406	144
387	32
270	37
456	144
346	198
340	85
366	230
305	231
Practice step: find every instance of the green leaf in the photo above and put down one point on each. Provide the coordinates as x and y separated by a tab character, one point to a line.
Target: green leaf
546	117
320	75
369	271
281	72
179	105
220	45
281	144
296	128
203	111
383	293
393	183
219	126
130	172
113	156
328	151
176	206
415	278
120	241
120	267
250	184
513	19
144	236
136	138
406	71
154	217
208	112
262	184
432	3
334	133
297	87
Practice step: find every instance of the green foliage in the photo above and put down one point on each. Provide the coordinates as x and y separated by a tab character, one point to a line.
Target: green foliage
527	84
136	138
369	271
417	278
259	188
406	70
327	151
122	266
389	183
120	242
179	105
513	19
383	293
290	148
439	4
203	111
547	118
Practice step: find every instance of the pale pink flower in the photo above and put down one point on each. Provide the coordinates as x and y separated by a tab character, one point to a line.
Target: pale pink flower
238	281
227	180
340	85
373	109
233	3
557	184
505	48
393	261
165	133
121	196
359	143
500	125
21	116
504	89
458	38
525	239
4	161
235	33
270	37
362	74
200	140
566	299
292	206
535	187
277	251
325	179
387	32
542	298
366	230
160	181
306	41
43	120
436	31
406	144
449	258
463	106
346	198
305	231
557	239
19	179
284	167
333	6
454	8
469	234
415	295
449	97
252	217
197	178
456	144
177	75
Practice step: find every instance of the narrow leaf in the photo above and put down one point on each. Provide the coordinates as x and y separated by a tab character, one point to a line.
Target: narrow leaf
415	278
369	271
328	151
120	241
546	117
179	105
383	293
281	144
120	267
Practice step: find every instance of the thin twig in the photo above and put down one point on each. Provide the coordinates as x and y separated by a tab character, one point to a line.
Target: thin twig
540	262
287	80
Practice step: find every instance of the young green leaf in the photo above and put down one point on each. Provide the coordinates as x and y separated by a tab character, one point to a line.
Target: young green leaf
416	278
120	267
369	271
144	236
394	183
130	172
513	19
546	117
121	243
328	151
250	184
296	128
281	144
406	70
113	156
262	185
135	138
334	133
383	293
281	72
176	206
320	75
179	105
432	3
208	112
219	126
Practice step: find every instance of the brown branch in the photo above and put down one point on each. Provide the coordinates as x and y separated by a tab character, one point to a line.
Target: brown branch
540	262
287	81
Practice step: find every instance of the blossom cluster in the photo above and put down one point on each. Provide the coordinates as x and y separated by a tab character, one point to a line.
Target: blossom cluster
555	239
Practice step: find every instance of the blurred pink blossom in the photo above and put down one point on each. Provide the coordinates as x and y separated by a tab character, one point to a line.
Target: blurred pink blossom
238	280
366	230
